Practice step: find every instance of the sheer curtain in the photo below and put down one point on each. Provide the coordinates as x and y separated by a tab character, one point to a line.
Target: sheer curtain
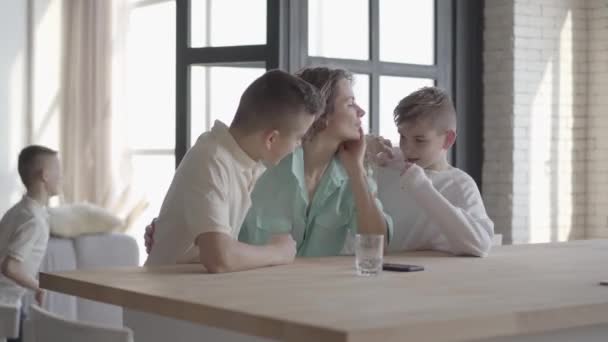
96	162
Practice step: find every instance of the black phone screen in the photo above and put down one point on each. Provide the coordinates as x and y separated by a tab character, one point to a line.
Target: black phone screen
401	267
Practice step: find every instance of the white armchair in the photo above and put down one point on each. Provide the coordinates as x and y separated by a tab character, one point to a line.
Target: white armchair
86	252
9	321
42	326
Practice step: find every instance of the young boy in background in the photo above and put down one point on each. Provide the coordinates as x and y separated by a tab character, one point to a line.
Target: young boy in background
24	229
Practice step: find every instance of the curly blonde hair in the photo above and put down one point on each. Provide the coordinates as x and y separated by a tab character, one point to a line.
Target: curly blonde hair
326	80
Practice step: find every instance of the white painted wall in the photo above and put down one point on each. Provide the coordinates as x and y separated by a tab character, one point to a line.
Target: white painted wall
44	96
13	35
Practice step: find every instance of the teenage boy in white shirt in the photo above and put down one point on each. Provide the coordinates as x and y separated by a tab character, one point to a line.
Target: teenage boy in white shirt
439	206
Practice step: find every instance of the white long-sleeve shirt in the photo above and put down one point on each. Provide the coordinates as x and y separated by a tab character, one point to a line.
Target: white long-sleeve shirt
435	210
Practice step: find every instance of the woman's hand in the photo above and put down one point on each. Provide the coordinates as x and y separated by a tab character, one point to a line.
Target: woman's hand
352	153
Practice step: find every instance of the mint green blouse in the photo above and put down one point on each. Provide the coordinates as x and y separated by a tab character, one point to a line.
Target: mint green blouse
280	202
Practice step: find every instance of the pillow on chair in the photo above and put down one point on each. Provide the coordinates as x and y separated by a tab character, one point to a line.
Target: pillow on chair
82	218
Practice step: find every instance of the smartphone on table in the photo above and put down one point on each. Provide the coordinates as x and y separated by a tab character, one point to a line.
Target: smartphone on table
394	267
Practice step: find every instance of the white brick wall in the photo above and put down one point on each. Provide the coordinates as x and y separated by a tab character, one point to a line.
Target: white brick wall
498	108
537	106
597	152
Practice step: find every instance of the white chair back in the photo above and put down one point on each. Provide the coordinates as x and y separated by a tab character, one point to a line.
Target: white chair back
9	321
43	326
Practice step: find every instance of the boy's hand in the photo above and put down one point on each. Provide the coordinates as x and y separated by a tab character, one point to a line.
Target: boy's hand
352	153
413	176
39	296
406	167
379	150
285	245
149	236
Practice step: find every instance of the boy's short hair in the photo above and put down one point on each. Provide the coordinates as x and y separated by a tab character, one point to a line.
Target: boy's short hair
326	80
30	164
428	103
272	99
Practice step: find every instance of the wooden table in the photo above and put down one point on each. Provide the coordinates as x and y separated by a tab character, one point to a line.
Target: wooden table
517	290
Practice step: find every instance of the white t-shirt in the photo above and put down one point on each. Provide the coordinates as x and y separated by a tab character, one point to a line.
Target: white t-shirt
210	192
435	210
24	235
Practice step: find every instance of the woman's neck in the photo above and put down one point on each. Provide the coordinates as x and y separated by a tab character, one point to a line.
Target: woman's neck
318	153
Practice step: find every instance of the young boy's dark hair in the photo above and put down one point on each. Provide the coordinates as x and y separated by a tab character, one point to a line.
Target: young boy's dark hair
29	164
430	103
273	99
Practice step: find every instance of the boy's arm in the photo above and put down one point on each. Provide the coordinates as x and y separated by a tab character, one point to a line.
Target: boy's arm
21	245
220	253
205	203
214	246
14	270
465	225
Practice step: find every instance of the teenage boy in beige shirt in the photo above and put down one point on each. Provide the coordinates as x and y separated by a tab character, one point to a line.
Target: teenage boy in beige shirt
209	196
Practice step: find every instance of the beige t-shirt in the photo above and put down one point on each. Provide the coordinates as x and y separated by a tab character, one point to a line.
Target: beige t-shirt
210	192
24	235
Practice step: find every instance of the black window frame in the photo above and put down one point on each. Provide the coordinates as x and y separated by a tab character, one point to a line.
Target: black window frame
457	68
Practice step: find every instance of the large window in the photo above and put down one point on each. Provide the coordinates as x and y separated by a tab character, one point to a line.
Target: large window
150	90
227	22
407	31
393	42
222	46
189	61
393	47
338	29
392	90
214	94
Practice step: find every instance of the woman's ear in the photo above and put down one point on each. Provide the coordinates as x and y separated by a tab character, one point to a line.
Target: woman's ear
450	139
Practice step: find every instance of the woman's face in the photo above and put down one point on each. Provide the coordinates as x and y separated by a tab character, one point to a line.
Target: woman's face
345	120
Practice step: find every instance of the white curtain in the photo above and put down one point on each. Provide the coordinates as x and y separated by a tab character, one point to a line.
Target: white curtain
96	162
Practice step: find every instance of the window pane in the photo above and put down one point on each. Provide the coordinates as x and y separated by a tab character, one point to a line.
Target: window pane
215	94
150	77
392	90
407	31
338	28
361	90
152	175
227	22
